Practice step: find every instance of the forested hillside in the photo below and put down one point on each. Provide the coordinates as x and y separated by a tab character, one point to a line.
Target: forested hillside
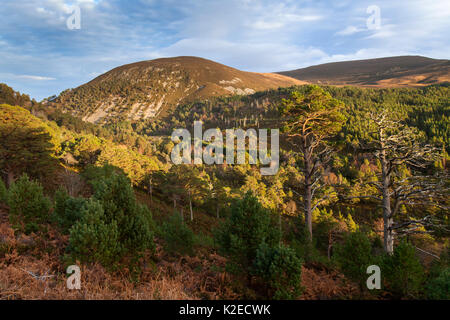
363	180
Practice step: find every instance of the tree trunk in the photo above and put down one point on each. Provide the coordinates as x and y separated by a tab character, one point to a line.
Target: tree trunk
308	215
182	215
190	206
388	221
150	189
217	211
330	245
279	226
388	236
174	202
308	196
10	178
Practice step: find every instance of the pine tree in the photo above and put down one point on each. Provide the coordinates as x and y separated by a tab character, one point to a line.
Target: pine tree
313	118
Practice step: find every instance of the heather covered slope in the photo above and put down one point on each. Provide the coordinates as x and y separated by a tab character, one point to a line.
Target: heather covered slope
383	72
147	89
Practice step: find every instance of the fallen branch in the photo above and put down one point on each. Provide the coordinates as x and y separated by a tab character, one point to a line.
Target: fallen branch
429	253
38	277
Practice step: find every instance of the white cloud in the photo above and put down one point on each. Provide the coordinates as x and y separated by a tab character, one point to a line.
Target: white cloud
349	31
385	31
37	78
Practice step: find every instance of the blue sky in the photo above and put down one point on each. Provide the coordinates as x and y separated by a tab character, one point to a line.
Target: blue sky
41	56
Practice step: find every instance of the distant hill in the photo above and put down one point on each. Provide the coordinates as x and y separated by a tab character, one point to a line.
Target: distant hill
149	88
403	71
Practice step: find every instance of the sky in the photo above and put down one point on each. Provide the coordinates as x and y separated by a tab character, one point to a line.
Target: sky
43	52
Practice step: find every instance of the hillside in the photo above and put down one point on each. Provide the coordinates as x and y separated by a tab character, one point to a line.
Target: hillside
112	188
149	88
403	71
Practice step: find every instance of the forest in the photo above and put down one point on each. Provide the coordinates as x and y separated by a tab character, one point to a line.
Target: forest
363	180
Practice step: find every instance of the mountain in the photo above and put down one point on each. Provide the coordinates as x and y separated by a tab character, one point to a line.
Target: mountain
149	88
403	71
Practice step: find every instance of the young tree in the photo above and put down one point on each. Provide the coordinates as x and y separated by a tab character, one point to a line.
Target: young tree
249	226
313	119
219	192
403	272
28	206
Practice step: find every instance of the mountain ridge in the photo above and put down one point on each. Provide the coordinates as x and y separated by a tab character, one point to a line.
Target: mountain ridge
152	88
399	71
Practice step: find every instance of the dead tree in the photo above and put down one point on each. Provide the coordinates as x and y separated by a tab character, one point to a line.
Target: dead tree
397	146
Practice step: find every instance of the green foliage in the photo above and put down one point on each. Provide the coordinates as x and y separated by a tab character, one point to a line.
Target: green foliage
67	210
92	152
204	240
281	269
310	252
126	225
240	236
402	271
93	174
135	221
28	207
325	225
178	237
59	199
438	288
92	239
314	111
354	255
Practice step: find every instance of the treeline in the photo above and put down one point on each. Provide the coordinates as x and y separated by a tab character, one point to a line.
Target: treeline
427	109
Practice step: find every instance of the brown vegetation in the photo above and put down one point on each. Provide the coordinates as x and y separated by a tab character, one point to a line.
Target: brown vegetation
406	71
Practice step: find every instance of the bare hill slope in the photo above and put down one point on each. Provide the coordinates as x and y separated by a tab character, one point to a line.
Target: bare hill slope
383	72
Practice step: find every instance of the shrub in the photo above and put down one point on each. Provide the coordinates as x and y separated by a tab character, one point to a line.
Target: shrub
92	239
28	207
3	192
67	210
60	198
438	288
240	236
354	255
402	271
177	236
280	268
